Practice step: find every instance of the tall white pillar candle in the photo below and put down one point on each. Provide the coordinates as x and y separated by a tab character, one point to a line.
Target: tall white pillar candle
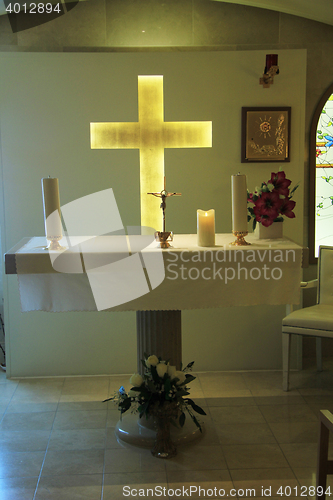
51	203
239	203
206	228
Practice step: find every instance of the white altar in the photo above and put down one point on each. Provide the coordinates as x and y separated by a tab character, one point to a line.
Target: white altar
268	272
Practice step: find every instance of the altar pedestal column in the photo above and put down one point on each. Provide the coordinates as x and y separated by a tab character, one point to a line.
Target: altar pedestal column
159	333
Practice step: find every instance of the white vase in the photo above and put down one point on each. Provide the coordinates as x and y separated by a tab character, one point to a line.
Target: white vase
272	232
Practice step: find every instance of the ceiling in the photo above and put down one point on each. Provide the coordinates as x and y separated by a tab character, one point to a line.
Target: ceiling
319	10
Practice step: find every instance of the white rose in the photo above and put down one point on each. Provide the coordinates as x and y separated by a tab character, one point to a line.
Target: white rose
181	376
171	371
161	369
136	380
152	361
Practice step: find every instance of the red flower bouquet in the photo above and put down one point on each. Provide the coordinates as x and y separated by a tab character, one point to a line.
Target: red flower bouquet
272	201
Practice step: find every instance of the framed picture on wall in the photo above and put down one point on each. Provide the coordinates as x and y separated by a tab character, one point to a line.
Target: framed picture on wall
265	134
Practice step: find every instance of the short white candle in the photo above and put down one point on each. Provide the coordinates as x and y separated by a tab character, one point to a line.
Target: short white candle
206	228
51	203
239	203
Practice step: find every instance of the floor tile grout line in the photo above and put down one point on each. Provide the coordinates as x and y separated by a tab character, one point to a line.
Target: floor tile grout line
284	455
268	423
276	442
5	412
222	452
106	438
48	442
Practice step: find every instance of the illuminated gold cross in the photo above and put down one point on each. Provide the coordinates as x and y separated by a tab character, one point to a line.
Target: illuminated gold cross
151	134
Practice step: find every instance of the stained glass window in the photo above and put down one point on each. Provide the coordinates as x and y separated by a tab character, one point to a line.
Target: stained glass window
324	177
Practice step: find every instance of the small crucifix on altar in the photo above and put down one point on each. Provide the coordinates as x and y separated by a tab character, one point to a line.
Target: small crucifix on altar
164	195
162	236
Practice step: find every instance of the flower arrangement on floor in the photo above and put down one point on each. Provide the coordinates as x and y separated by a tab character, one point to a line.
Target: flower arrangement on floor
161	383
160	393
272	200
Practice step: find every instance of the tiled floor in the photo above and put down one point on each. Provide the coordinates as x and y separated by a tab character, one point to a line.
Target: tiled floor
57	439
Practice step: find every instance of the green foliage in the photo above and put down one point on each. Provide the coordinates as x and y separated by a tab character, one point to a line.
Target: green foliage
157	390
195	407
329	199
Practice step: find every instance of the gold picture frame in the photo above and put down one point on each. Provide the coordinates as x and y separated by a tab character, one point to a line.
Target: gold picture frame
265	134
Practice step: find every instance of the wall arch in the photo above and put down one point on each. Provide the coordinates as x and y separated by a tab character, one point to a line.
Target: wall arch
313	243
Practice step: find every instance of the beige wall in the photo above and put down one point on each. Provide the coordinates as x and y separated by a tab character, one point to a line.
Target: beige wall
47	102
108	25
146	26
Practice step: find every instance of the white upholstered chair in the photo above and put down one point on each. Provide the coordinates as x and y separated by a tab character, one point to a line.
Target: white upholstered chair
315	321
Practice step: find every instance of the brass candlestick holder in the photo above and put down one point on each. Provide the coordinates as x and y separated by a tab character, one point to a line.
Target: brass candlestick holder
163	237
54	243
240	238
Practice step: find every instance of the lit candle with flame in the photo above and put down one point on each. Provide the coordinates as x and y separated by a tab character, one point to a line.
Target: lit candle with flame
206	228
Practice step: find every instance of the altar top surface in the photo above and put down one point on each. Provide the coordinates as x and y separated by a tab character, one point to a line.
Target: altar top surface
131	273
35	259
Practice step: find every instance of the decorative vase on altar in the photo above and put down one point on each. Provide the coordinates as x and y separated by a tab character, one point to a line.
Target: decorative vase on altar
272	201
163	414
272	232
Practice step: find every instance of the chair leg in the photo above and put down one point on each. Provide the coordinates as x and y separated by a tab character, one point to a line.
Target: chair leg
299	358
319	355
322	460
285	360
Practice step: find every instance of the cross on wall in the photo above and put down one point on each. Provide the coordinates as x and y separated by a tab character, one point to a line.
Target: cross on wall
151	135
